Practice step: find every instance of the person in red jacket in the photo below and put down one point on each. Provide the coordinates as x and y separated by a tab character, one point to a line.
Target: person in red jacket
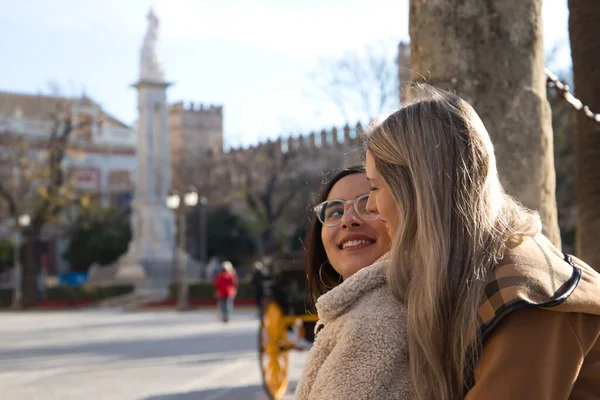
225	285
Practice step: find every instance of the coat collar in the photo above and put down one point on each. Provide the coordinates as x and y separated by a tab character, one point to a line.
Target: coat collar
537	274
339	299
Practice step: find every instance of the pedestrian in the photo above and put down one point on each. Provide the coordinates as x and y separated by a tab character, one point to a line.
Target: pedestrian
259	277
359	351
495	311
229	267
225	285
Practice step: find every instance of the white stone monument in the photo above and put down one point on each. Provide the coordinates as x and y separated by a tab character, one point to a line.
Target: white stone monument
150	254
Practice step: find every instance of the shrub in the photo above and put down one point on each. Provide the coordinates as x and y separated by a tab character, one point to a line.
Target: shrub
84	293
72	294
6	295
98	236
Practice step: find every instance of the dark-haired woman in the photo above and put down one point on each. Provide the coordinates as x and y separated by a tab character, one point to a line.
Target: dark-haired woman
360	349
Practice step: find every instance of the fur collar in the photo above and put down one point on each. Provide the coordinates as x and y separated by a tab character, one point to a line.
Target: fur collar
341	298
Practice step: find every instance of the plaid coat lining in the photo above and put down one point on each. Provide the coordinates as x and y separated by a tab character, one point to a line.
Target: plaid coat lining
511	289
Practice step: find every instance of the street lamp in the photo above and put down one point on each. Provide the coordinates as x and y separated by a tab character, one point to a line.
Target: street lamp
203	239
190	199
173	201
23	221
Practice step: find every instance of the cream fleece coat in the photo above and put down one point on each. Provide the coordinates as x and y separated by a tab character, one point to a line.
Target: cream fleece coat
360	351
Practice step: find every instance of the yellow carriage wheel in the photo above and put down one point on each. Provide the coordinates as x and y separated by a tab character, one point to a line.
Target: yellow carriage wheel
273	355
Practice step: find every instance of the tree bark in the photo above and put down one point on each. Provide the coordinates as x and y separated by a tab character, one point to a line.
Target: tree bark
491	54
30	269
585	51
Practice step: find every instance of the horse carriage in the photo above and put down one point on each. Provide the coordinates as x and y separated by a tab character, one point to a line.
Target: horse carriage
286	325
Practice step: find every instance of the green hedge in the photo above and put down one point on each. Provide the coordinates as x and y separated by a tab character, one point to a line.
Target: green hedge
201	290
93	293
67	293
5	297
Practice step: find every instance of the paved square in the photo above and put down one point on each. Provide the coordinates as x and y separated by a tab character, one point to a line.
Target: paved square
115	355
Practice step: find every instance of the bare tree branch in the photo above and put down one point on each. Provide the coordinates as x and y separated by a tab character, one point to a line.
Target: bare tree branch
7	196
40	188
284	203
361	84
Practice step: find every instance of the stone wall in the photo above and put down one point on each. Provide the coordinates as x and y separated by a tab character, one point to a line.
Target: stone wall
194	129
285	173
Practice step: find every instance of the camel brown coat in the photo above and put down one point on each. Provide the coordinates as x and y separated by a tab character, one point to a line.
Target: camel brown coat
360	351
541	328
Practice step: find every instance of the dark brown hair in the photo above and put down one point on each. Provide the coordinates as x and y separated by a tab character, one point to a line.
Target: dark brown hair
320	274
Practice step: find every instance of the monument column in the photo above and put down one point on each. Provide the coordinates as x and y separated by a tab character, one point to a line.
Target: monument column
150	252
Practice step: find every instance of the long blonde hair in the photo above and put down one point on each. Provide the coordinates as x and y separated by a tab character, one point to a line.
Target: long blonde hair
437	159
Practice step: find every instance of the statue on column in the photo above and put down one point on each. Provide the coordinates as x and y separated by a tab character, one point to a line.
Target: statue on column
151	68
149	259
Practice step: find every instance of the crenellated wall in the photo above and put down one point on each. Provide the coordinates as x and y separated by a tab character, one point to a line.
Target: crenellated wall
194	129
209	110
322	142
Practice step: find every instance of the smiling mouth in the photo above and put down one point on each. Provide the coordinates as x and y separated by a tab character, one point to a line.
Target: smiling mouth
356	244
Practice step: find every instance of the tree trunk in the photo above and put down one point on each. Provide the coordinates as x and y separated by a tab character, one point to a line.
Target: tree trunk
30	270
585	51
491	53
269	241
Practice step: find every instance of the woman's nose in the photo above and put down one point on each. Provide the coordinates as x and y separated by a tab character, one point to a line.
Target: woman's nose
350	218
371	205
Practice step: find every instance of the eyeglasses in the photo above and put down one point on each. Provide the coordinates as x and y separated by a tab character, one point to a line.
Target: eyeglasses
330	212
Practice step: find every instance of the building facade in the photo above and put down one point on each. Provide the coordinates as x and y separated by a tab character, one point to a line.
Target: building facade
99	160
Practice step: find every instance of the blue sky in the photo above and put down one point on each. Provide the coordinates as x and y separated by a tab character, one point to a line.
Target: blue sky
253	57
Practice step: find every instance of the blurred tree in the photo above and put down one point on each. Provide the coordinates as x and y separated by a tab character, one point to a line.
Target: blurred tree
585	52
198	169
360	84
6	254
272	183
34	181
229	237
205	172
98	236
297	240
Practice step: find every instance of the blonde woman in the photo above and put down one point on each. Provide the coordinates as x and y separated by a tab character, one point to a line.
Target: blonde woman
360	349
494	310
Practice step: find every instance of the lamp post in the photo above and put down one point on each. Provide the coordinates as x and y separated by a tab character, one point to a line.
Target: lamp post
173	201
23	222
203	238
190	199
